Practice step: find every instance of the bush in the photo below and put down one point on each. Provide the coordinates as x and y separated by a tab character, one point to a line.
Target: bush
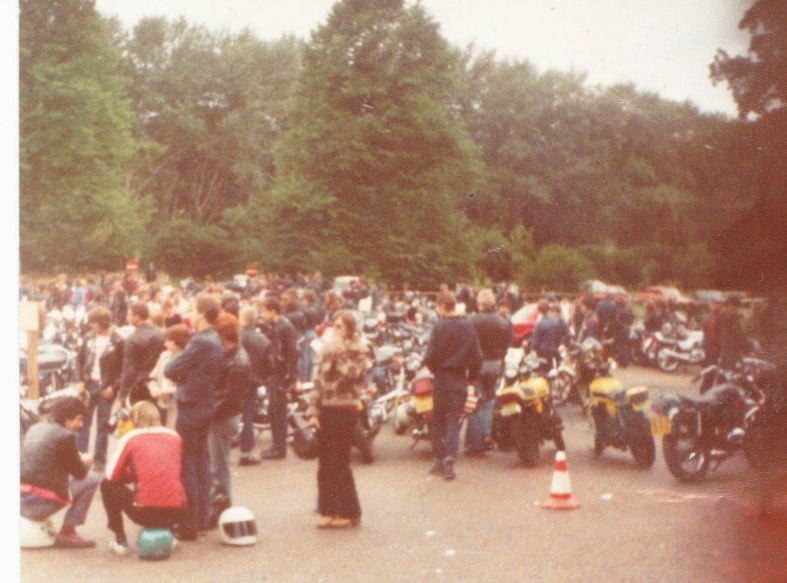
561	268
184	248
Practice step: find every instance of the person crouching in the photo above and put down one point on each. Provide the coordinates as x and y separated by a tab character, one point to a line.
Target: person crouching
149	458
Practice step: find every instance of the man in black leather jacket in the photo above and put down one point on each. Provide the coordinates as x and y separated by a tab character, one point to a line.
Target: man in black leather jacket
260	352
98	368
495	336
234	384
196	371
285	372
143	347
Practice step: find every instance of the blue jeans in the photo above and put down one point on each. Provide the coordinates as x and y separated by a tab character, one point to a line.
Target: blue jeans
306	360
449	401
193	424
103	408
219	443
479	424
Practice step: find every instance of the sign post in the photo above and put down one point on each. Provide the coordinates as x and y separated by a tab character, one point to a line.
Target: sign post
28	322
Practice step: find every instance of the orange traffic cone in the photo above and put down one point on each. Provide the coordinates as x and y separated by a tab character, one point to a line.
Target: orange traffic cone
560	497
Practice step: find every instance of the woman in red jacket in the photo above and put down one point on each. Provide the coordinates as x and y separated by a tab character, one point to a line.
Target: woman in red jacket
148	457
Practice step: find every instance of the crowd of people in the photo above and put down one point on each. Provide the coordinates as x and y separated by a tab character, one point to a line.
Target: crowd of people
191	357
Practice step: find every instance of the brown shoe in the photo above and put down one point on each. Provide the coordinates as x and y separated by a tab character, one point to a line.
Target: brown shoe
73	541
325	522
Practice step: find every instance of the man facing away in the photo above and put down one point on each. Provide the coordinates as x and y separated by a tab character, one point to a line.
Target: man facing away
285	373
495	337
454	357
143	347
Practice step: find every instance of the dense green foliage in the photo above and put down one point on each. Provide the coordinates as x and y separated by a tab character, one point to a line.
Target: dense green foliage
377	148
76	146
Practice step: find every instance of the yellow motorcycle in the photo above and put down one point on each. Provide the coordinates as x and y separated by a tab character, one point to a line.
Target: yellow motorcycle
619	415
524	416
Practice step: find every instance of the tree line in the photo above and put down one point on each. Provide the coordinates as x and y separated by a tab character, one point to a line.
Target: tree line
375	147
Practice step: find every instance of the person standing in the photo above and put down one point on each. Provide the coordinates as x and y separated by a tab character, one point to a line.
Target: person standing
140	354
149	456
196	372
710	340
98	368
495	336
333	408
285	373
233	386
49	456
590	325
733	344
260	352
550	332
161	389
454	357
624	318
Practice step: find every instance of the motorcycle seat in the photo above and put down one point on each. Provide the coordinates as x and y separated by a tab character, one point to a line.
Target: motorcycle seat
718	395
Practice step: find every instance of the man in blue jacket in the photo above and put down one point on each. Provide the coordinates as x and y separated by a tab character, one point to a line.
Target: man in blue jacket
550	332
196	372
454	356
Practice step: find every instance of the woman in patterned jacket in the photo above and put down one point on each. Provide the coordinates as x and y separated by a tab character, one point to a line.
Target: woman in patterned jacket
339	377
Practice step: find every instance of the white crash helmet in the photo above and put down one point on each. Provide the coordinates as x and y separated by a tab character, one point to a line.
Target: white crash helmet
34	534
237	526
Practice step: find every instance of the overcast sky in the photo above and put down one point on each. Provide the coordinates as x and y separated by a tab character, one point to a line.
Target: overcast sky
661	46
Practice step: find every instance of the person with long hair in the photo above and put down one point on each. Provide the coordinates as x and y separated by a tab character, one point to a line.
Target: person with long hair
333	408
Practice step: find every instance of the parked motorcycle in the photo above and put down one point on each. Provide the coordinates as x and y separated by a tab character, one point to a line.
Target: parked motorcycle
620	417
415	410
676	351
710	428
524	416
55	367
561	378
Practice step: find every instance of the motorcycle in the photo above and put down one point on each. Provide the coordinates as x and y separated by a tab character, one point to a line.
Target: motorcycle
674	351
55	367
415	410
561	377
524	416
619	415
700	430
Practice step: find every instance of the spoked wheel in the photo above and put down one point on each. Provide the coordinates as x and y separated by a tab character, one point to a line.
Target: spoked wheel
666	362
686	459
560	389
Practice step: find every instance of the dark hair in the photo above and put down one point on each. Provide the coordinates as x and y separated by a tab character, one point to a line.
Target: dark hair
228	328
179	334
65	408
208	306
101	316
447	300
272	304
543	306
230	305
140	310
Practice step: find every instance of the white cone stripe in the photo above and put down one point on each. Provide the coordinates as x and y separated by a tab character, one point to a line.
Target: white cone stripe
561	483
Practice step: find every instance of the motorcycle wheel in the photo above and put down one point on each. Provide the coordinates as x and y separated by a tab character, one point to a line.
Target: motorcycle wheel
525	434
398	425
687	464
363	442
666	362
560	389
644	452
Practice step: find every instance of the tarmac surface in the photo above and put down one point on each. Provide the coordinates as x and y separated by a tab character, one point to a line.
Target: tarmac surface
487	525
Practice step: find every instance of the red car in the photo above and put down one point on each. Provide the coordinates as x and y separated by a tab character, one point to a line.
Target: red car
523	321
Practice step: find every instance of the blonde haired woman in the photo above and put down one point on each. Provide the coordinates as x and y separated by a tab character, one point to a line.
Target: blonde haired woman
148	457
339	377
